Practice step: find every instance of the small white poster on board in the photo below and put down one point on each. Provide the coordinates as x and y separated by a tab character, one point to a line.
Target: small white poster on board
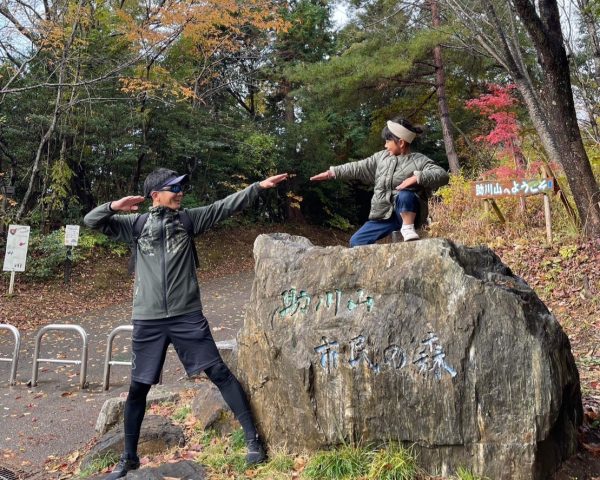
17	242
71	235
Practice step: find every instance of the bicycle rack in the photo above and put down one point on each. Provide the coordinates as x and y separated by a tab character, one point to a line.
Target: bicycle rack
84	352
15	357
107	358
108	362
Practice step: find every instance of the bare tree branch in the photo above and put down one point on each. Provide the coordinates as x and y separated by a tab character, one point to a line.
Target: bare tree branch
5	12
18	73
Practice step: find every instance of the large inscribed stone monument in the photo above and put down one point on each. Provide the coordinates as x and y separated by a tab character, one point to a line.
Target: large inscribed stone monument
428	343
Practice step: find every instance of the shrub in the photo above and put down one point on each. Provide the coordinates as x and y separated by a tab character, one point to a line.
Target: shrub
47	252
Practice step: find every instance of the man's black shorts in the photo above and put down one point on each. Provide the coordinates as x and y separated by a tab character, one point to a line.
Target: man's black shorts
189	334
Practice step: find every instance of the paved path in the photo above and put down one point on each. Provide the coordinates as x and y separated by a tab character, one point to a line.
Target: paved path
56	417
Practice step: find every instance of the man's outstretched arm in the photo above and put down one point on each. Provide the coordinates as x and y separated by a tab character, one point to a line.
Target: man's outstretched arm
206	217
117	227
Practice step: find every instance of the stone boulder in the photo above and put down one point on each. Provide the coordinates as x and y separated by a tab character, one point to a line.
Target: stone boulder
228	351
428	343
183	470
211	411
112	410
157	435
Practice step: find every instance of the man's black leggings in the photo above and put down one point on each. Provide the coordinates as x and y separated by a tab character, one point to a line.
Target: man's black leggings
219	374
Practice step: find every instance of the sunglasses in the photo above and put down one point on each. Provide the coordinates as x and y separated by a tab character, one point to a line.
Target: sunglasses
177	188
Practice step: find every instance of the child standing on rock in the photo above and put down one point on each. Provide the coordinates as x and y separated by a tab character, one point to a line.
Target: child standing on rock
403	182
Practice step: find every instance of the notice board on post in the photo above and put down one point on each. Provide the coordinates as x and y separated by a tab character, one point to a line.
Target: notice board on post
489	190
15	256
17	242
512	188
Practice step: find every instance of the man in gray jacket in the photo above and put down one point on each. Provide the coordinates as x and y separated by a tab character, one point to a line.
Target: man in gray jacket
402	181
167	307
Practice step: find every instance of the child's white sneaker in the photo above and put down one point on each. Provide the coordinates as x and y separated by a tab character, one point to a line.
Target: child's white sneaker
409	233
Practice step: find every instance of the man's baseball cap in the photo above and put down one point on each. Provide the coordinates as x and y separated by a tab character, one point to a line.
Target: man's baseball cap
160	178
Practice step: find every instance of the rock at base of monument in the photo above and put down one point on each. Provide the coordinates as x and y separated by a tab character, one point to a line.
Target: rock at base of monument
158	435
211	412
427	343
112	410
184	470
228	351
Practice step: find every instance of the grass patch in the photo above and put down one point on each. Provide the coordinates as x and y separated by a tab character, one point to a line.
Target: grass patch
237	439
224	455
590	361
206	437
225	463
466	474
279	462
394	462
98	464
345	463
182	413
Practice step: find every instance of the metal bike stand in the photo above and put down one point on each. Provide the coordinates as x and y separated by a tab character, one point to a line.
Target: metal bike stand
107	358
108	362
15	357
84	352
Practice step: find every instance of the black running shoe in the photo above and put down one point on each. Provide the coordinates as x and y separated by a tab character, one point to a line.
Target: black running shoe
125	465
256	452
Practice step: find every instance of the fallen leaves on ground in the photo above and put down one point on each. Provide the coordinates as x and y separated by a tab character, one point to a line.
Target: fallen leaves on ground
566	277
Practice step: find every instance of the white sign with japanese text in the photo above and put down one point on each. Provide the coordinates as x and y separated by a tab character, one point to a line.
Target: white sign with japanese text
71	235
17	242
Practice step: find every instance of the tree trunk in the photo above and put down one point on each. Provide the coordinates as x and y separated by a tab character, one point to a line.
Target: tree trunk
515	66
137	172
440	83
12	172
575	161
288	102
35	169
81	186
546	34
538	118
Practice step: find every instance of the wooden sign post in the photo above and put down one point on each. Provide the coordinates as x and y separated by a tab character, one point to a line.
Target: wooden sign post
490	190
71	240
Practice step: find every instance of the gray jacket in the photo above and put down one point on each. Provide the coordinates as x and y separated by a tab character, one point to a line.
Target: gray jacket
386	171
165	274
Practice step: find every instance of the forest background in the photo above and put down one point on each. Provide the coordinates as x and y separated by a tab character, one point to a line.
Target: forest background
95	94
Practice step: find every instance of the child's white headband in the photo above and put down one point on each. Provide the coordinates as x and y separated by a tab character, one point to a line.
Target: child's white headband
401	132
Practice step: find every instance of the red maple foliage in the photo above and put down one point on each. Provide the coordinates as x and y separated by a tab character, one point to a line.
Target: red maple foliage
498	106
